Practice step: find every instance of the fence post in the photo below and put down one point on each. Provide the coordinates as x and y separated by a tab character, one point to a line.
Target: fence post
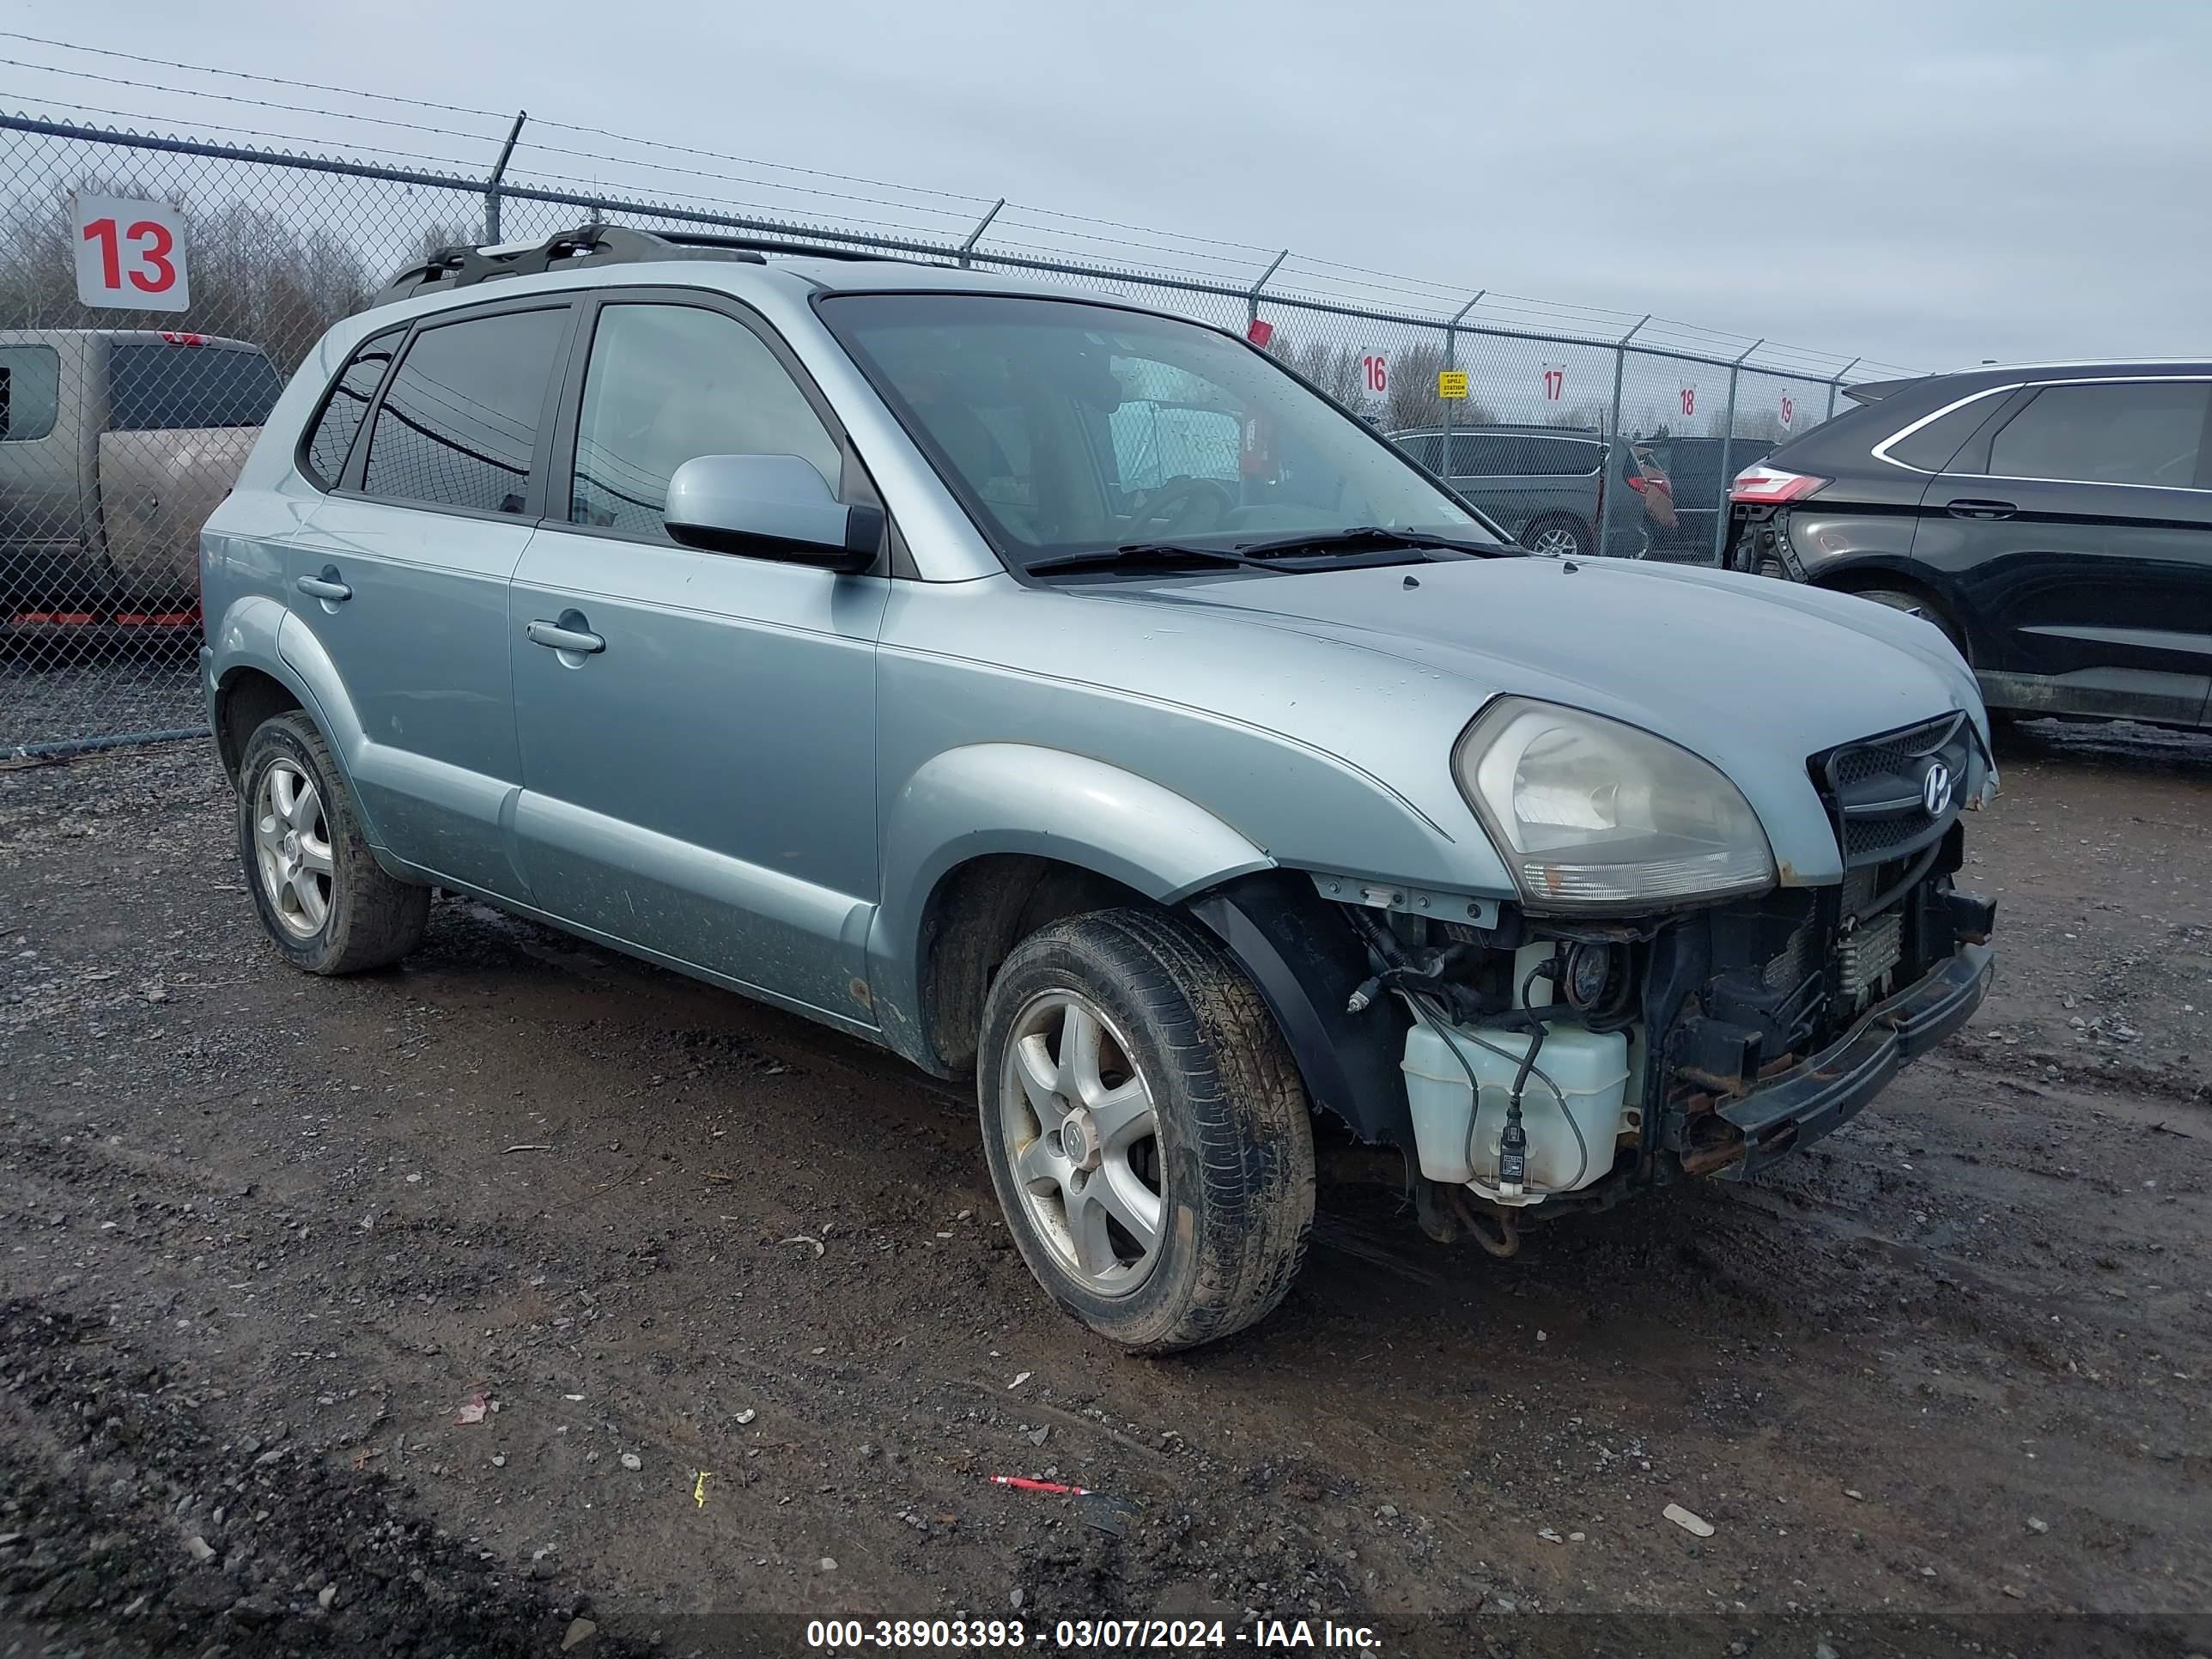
499	171
1252	299
1615	473
1728	447
976	234
1836	382
1451	361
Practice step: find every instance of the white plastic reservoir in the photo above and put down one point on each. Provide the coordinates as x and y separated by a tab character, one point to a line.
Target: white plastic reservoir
1579	1074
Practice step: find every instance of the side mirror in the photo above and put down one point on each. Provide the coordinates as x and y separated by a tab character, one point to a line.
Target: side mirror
769	506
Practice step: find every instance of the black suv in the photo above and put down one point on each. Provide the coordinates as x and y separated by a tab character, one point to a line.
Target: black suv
2055	521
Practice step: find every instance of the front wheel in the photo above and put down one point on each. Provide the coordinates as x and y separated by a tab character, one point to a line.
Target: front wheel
1145	1129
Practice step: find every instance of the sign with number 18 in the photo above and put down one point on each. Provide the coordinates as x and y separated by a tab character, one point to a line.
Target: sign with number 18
131	255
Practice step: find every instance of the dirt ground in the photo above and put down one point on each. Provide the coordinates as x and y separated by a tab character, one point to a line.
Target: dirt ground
750	1341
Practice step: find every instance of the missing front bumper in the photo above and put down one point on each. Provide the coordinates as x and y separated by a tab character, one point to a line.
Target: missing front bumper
1799	1106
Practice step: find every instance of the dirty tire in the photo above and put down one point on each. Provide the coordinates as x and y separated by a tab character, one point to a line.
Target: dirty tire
1897	599
372	920
1235	1141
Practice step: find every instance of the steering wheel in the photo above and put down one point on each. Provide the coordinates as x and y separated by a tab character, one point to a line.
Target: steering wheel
1177	505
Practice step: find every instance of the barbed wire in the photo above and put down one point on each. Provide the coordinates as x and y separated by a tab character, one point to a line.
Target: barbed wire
1585	323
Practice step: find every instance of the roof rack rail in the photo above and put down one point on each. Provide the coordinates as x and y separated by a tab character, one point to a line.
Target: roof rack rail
449	268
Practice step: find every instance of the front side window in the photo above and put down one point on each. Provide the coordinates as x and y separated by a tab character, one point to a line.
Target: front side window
2143	432
331	439
1069	428
459	425
187	387
30	392
668	383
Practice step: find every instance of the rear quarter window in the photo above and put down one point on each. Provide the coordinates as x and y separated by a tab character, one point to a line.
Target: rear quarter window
330	440
30	392
171	388
1933	447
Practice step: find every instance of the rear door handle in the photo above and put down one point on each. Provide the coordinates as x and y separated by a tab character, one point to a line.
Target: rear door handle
324	586
1970	509
553	637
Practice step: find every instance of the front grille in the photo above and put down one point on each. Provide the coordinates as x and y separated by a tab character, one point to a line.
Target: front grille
1875	790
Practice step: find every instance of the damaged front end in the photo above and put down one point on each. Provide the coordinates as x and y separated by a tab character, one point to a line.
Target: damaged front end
1550	1063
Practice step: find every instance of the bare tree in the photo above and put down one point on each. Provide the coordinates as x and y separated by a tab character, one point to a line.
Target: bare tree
1336	369
1412	400
255	275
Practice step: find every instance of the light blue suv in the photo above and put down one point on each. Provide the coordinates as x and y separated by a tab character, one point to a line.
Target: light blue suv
1061	692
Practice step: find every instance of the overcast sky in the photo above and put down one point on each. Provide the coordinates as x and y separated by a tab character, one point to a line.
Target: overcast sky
1930	183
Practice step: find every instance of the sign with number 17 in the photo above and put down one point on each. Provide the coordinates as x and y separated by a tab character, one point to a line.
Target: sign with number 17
131	255
1555	382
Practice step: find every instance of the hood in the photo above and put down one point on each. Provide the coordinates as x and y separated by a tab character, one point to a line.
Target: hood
1753	674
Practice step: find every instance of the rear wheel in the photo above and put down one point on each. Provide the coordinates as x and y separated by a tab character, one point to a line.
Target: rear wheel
322	898
1903	599
1563	538
1145	1129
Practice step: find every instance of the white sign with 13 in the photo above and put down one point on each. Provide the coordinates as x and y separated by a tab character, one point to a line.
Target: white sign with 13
131	255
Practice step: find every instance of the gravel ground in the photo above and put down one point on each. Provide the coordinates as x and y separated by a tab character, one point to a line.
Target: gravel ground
748	1340
62	685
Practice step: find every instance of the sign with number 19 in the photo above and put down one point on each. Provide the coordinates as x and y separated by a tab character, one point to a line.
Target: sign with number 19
131	255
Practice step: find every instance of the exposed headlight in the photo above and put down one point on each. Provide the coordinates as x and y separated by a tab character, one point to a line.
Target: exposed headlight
1591	814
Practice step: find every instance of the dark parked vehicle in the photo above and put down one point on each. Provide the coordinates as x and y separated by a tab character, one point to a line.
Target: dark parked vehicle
2055	521
1544	484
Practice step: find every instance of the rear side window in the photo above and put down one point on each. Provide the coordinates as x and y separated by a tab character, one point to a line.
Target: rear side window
1937	444
667	384
459	425
330	440
170	388
1520	455
30	392
2143	432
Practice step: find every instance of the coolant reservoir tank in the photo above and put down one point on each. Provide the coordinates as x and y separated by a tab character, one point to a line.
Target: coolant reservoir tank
1580	1084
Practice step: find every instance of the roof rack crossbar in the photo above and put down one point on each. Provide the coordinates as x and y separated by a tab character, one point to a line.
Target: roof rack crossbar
449	268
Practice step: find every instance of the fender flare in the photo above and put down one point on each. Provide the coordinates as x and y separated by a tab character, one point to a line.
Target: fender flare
987	798
258	633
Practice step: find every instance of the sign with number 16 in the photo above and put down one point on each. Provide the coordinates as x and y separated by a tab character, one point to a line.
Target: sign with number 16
131	255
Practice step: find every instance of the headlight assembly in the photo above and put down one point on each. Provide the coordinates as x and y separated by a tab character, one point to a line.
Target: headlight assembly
1593	815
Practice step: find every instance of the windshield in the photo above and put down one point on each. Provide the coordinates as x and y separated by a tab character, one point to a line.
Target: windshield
1066	428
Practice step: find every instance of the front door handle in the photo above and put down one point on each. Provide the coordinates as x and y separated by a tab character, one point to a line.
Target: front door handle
554	637
1971	509
324	586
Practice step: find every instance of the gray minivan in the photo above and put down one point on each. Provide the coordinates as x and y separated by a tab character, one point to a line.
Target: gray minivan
1545	484
848	632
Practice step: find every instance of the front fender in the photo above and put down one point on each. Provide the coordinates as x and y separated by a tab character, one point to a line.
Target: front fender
988	798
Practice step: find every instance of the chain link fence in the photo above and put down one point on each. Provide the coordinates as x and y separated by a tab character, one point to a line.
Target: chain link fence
119	429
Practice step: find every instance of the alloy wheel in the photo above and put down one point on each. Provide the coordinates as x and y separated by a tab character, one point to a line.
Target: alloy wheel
1082	1138
292	848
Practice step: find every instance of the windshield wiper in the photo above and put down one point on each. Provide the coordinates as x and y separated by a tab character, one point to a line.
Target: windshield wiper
1360	538
1145	553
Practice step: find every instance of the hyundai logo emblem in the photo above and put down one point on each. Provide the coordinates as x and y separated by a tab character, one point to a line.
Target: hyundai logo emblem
1935	789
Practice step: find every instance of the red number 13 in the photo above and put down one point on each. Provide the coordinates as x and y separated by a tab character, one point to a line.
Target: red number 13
153	270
